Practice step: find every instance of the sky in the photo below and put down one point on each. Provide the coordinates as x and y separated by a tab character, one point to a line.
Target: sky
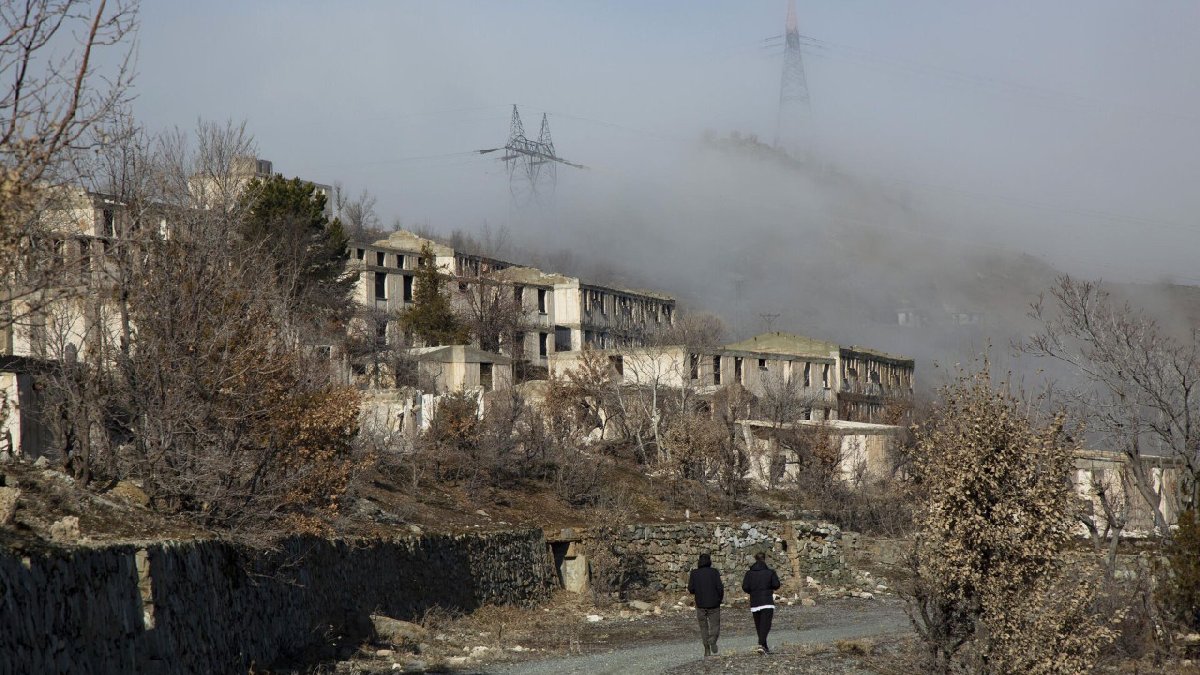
1064	130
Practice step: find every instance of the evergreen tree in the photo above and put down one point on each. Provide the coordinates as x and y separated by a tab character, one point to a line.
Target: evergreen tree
431	319
284	220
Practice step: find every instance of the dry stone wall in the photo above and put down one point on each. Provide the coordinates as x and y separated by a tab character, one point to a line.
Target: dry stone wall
660	556
215	607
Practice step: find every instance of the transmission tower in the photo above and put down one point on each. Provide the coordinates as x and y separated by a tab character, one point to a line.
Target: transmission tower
792	130
532	165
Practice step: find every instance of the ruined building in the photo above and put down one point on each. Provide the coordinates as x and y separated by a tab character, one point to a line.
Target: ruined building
558	313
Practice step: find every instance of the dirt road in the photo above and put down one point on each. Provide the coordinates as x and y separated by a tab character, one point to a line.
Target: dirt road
793	625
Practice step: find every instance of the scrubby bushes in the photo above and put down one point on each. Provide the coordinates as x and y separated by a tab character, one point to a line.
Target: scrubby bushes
991	590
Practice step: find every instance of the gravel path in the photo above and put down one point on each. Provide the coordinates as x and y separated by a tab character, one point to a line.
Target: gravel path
793	625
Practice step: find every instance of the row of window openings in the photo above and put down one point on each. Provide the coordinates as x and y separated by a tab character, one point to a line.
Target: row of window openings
381	291
739	371
381	331
381	286
624	305
872	376
380	258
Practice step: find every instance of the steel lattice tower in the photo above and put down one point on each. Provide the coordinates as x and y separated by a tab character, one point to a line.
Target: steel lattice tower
532	165
791	131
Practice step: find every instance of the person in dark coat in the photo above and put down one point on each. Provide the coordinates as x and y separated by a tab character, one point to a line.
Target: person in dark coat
761	582
705	583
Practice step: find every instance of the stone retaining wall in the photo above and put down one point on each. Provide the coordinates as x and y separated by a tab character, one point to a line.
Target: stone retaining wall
216	607
660	556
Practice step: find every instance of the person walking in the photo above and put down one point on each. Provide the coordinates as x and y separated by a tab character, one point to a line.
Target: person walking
705	583
761	582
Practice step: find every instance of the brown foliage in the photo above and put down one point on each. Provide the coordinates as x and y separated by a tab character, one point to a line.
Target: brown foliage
994	511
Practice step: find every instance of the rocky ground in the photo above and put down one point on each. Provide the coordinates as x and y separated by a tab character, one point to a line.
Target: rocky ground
41	505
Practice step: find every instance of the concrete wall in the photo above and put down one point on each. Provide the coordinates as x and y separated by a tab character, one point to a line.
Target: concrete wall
661	555
212	606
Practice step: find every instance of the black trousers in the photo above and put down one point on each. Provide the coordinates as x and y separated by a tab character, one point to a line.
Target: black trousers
762	624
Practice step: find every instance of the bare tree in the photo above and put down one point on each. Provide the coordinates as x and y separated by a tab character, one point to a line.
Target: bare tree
784	404
1142	385
181	365
358	215
55	95
495	315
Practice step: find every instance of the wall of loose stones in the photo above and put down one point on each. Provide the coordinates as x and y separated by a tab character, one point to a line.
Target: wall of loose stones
216	607
660	556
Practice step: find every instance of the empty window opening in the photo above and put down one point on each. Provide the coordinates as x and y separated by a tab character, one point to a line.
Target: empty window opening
694	366
518	295
825	375
541	300
716	361
85	260
737	370
400	260
562	339
381	285
408	289
485	376
807	374
762	364
110	223
360	254
379	258
543	344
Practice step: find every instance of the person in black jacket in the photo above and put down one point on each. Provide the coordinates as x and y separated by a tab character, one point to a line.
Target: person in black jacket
761	582
705	584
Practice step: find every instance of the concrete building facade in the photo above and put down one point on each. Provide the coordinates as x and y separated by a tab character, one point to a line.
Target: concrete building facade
560	313
871	381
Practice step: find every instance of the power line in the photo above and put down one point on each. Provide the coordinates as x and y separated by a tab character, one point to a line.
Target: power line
817	47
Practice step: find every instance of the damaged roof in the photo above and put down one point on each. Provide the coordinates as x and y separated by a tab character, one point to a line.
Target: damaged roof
529	275
778	342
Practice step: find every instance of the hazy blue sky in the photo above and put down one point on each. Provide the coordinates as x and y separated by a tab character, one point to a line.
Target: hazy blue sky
1068	129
